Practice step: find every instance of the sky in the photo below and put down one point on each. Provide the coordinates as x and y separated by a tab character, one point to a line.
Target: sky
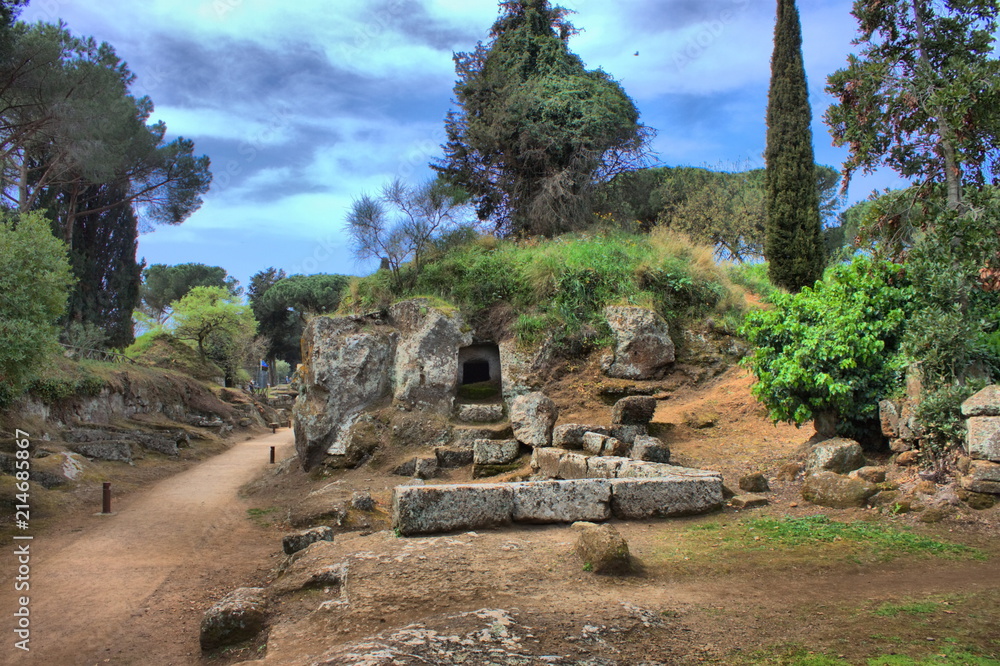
304	106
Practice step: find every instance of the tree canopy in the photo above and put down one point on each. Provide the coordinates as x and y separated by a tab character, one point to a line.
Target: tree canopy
34	281
535	129
163	285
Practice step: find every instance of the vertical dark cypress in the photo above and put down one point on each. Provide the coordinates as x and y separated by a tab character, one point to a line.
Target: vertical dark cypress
794	241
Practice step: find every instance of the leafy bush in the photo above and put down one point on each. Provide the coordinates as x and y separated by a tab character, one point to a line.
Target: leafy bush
832	348
940	413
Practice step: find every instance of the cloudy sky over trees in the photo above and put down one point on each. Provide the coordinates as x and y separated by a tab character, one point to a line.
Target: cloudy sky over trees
303	106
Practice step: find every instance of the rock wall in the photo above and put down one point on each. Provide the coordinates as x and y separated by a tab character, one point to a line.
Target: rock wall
351	364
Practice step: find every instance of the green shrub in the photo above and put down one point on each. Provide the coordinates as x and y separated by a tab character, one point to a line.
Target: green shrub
832	348
940	413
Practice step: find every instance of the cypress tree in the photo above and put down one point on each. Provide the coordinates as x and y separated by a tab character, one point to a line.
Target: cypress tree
794	242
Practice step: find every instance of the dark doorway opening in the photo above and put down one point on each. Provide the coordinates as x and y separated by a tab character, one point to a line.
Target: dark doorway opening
475	371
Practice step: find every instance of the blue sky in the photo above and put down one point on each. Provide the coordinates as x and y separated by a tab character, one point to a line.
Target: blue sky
303	106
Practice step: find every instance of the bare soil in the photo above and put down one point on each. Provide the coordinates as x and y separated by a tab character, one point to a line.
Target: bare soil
131	588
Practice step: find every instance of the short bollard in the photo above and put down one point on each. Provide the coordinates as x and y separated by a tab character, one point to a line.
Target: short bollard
272	455
107	498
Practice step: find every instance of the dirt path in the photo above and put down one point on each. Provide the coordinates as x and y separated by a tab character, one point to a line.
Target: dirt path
130	588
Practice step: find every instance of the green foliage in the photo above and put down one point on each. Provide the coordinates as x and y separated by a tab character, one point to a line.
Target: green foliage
163	285
940	413
305	294
535	128
883	541
218	322
754	278
34	279
833	348
560	288
793	244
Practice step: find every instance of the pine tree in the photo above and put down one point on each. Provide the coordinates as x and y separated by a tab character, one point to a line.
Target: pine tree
794	241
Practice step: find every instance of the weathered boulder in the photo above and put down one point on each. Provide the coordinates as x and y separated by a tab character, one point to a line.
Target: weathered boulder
533	416
871	474
633	410
754	483
984	403
293	543
346	368
362	501
983	438
326	505
827	488
239	616
615	447
315	567
983	477
495	452
561	501
479	413
115	451
430	509
602	548
650	449
425	371
837	455
570	435
643	348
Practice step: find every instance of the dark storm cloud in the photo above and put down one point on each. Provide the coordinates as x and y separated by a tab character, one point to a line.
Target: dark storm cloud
411	19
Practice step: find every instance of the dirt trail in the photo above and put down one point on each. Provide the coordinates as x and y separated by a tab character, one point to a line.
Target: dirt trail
109	589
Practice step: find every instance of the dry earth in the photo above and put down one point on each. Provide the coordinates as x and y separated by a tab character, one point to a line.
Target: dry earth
131	589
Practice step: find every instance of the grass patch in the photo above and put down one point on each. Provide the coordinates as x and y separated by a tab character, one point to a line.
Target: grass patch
913	608
948	656
261	516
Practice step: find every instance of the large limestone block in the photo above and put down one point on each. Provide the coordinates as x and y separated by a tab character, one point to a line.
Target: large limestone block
562	501
594	442
983	438
984	403
638	469
425	371
444	508
573	466
837	455
347	364
604	467
546	462
533	416
495	452
643	348
662	497
836	491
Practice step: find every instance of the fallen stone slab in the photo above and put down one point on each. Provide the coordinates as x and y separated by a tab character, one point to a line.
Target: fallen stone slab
604	467
293	543
983	477
749	501
445	508
490	413
113	451
664	497
638	469
570	435
561	501
238	617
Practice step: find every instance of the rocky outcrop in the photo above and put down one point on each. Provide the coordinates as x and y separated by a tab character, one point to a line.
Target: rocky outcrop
238	617
347	362
533	416
633	410
425	369
352	364
643	348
